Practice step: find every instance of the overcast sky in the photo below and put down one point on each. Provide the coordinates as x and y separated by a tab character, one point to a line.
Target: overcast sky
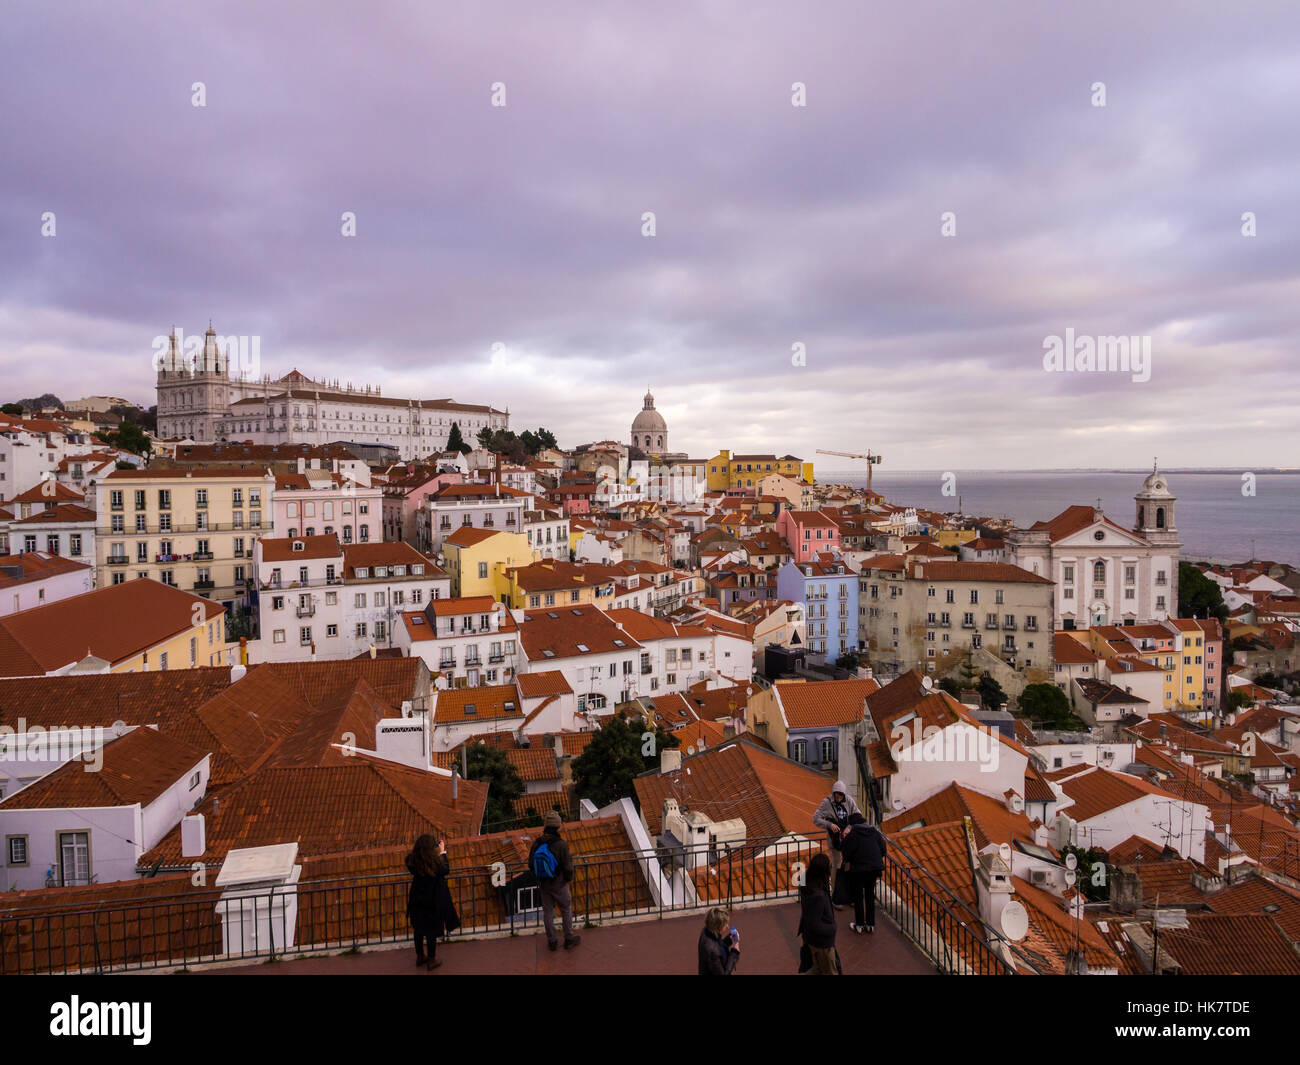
499	254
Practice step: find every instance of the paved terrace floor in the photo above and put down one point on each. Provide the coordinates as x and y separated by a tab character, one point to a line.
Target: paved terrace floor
768	946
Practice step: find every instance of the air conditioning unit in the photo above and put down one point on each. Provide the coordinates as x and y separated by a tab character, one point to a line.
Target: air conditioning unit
1038	877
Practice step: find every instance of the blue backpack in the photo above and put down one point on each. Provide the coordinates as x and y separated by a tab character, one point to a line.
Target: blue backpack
544	864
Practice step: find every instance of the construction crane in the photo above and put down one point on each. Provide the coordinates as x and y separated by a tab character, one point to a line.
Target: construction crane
871	460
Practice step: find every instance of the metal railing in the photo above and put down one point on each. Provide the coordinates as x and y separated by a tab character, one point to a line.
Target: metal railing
335	914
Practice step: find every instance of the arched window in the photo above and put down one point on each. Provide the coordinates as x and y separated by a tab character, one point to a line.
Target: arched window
1160	517
661	441
1099	572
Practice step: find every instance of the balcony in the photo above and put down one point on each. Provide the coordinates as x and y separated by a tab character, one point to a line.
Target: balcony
968	625
447	664
204	586
118	560
306	611
201	556
496	658
1009	625
646	669
990	625
473	663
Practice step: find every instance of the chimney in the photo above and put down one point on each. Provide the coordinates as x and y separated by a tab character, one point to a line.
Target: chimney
670	760
237	672
1125	889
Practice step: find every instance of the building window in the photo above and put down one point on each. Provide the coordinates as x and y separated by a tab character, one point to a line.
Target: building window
74	858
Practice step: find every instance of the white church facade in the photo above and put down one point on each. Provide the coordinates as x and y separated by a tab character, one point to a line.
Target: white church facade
1106	574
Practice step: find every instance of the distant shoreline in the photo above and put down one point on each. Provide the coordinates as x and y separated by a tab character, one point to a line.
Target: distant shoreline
1259	471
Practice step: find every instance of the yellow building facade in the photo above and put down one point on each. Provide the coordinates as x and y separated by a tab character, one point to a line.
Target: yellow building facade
735	473
190	529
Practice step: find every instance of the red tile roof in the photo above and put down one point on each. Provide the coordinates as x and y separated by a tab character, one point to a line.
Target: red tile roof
289	549
541	684
114	623
359	804
771	794
137	768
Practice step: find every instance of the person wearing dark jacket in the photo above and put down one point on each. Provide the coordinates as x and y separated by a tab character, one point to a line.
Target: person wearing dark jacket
863	849
817	921
718	950
554	859
429	905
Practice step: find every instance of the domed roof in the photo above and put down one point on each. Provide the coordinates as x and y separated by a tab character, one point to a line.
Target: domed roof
649	420
1155	485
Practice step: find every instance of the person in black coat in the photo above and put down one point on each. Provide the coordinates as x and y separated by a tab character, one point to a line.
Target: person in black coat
429	905
719	950
863	849
817	921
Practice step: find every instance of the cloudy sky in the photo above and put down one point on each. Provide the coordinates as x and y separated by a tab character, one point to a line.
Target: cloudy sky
499	255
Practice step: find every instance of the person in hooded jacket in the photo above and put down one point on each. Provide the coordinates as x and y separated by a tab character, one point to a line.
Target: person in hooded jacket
863	849
833	815
429	905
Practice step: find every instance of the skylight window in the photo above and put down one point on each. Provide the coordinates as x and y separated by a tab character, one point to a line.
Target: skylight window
583	647
548	653
470	709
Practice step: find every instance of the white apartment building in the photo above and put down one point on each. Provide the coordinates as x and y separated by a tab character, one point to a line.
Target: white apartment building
383	581
65	529
468	641
320	599
480	506
31	450
34	578
547	530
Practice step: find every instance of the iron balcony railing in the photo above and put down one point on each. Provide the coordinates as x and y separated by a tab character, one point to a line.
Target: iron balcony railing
206	925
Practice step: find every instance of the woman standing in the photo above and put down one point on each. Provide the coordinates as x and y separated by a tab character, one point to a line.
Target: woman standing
817	921
428	905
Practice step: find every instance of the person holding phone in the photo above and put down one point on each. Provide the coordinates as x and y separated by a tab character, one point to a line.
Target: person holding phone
719	947
429	905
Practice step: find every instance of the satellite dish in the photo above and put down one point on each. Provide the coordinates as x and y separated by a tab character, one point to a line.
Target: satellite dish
1004	852
1014	921
119	728
440	682
927	683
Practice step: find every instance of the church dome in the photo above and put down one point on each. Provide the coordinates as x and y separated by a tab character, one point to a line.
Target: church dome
649	420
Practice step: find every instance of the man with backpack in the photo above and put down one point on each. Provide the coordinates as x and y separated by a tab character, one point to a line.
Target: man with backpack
552	865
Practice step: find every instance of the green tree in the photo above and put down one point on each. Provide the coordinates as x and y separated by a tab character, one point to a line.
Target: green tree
484	437
947	684
456	442
991	693
16	409
130	437
546	438
491	765
1239	700
1198	596
848	660
616	754
1046	704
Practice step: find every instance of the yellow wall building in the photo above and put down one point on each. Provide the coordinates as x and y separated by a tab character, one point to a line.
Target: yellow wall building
191	529
478	561
735	473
